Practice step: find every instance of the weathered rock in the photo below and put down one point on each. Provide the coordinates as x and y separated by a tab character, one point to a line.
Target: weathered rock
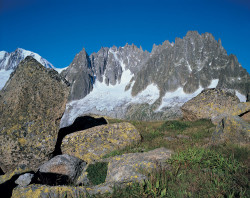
7	181
94	143
43	191
121	171
64	165
24	180
232	129
240	109
18	171
214	104
127	167
31	106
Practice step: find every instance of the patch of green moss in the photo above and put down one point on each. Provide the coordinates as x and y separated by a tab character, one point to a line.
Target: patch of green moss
97	172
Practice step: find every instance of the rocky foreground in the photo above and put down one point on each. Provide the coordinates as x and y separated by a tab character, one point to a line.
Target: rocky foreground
35	163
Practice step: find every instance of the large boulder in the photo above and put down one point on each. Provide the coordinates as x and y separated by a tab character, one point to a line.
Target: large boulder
92	144
232	129
128	167
31	106
214	104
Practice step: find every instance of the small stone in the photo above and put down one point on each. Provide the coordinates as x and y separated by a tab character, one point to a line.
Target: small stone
64	165
183	136
24	180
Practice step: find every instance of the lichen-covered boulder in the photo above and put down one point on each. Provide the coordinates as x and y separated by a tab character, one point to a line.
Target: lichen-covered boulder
18	171
128	167
43	191
64	165
92	144
212	103
31	106
232	129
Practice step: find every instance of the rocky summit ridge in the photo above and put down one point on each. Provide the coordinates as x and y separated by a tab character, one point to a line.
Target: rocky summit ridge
128	82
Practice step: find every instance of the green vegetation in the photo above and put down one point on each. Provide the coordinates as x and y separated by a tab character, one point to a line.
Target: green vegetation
199	168
97	172
158	134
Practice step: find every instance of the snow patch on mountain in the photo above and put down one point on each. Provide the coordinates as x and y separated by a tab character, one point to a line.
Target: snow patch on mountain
214	83
4	76
241	97
179	97
59	70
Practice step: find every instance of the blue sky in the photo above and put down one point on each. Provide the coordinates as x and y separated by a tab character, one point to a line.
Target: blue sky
59	29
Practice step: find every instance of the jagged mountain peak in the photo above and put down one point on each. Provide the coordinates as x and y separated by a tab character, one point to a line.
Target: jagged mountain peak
125	81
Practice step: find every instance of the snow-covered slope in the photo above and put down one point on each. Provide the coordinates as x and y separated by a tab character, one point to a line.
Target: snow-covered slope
9	61
105	99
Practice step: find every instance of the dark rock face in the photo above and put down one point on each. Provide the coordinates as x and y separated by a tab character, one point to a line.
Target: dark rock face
31	106
192	62
80	75
105	65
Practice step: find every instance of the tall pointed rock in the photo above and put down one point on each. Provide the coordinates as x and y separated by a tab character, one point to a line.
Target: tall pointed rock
31	106
80	75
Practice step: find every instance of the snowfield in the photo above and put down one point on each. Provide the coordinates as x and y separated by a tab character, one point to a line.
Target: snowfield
4	76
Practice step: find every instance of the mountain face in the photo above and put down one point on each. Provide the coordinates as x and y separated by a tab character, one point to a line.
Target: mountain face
9	62
127	82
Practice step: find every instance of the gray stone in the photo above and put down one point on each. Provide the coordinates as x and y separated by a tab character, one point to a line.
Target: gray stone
24	180
64	165
127	167
232	129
